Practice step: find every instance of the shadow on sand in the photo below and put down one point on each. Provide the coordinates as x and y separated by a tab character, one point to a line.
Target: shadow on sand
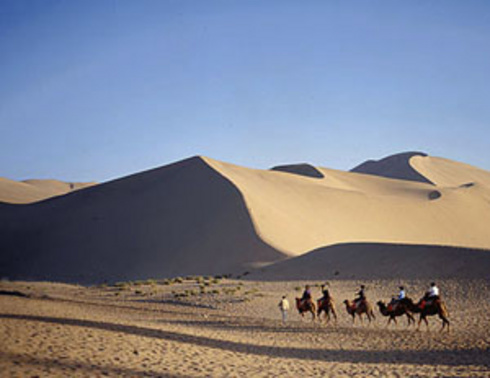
417	357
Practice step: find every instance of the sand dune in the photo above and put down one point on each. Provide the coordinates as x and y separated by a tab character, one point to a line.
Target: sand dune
297	214
180	219
29	191
202	216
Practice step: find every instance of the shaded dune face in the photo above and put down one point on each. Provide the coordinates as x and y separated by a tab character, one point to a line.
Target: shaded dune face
395	166
300	169
184	218
381	261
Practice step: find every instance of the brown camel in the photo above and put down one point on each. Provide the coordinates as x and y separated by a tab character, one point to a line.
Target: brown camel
401	309
327	305
429	308
306	306
364	307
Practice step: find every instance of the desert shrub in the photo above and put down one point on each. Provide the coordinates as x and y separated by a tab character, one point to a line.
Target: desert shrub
215	291
138	292
167	282
215	281
178	280
297	288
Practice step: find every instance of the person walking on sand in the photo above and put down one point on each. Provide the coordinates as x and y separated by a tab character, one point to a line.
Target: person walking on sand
284	307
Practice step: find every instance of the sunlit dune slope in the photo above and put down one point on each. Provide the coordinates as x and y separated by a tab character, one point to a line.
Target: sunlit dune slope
296	214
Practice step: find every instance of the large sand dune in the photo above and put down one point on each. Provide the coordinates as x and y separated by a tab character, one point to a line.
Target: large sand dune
182	218
202	216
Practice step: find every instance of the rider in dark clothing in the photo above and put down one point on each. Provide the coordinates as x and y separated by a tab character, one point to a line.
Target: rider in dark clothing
360	295
326	293
306	294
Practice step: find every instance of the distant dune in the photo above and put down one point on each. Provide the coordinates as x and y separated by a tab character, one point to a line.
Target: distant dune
29	191
395	166
202	216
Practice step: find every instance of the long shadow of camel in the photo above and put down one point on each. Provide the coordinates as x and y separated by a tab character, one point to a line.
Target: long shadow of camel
418	357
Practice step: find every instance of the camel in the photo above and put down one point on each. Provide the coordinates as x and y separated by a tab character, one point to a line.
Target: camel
401	309
364	307
432	307
306	306
327	306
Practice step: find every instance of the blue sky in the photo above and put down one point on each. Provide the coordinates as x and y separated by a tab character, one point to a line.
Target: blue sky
94	90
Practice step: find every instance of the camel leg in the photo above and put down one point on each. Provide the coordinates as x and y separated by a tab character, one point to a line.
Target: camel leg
410	319
444	322
334	314
394	319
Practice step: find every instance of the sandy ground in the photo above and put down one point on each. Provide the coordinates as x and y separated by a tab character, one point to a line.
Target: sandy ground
232	329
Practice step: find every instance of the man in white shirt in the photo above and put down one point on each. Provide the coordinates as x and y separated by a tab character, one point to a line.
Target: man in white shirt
284	307
433	291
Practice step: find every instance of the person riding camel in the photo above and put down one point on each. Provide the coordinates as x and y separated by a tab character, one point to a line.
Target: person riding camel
360	297
326	294
431	295
306	295
395	301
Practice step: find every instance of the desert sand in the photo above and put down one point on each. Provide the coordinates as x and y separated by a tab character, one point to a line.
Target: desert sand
232	329
203	216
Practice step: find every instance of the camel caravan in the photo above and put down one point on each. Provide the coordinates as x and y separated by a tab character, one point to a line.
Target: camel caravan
430	304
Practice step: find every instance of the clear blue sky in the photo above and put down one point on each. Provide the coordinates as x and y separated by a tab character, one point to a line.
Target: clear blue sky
94	90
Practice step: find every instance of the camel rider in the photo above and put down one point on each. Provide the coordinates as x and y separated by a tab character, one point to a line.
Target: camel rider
431	295
401	294
306	294
326	294
360	296
394	301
